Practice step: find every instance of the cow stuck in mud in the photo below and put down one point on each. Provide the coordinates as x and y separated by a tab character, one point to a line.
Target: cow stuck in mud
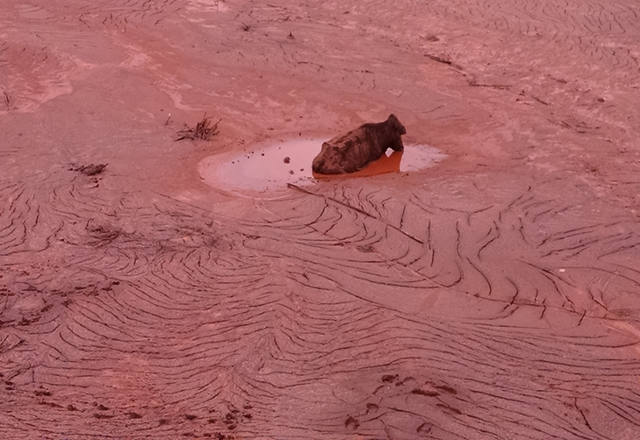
354	150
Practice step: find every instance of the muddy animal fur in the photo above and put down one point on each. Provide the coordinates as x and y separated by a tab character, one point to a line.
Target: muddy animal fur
354	150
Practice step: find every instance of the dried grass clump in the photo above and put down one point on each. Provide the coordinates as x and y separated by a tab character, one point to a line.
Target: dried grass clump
204	130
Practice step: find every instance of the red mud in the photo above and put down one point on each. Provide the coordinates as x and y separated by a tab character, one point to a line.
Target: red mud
492	296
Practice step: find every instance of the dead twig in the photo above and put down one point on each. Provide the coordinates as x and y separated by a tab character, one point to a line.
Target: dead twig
473	83
91	169
540	100
439	59
445	59
356	209
204	130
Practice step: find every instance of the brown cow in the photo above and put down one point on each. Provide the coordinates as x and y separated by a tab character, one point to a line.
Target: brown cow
354	150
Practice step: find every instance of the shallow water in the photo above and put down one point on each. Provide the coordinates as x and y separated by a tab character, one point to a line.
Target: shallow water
273	166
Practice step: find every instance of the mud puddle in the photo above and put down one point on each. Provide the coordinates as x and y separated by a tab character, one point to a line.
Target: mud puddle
272	166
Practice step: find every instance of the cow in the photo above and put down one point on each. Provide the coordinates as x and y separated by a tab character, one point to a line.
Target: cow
354	150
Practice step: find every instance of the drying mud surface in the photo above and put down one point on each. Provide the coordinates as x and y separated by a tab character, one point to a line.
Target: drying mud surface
493	296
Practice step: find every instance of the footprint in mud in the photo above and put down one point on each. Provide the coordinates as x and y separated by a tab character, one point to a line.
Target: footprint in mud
407	403
42	392
98	406
351	423
366	248
424	429
372	407
227	418
103	416
51	404
234	417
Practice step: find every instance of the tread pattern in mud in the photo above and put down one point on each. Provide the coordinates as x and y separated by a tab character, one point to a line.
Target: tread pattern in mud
361	313
458	309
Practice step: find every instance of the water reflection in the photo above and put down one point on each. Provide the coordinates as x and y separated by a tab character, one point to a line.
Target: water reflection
386	164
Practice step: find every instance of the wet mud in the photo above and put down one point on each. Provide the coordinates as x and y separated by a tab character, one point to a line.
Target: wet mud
492	295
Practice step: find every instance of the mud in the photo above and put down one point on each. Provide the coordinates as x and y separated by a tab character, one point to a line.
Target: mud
491	296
